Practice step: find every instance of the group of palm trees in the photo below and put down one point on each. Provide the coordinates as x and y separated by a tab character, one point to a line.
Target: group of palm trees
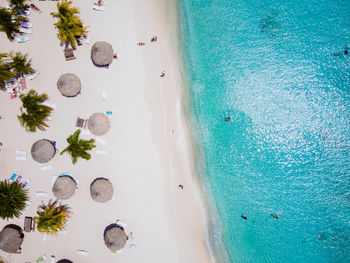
10	19
52	217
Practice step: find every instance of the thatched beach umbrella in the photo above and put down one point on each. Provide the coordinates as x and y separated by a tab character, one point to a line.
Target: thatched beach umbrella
101	190
11	238
43	151
69	85
64	187
99	124
115	237
102	53
64	261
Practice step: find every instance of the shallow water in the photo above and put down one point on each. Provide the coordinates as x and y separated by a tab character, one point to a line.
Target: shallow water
278	68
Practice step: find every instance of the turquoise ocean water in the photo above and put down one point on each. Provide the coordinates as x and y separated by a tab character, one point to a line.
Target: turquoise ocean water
279	69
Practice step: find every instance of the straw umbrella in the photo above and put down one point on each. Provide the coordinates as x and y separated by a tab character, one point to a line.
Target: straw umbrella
64	187
64	261
102	53
11	238
115	237
43	151
101	190
69	85
99	124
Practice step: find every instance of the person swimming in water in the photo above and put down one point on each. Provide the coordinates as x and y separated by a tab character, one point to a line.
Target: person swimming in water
275	216
228	118
244	217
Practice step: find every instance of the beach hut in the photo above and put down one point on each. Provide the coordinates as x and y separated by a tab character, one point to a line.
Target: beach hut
102	53
64	187
99	124
64	261
69	85
101	190
115	237
11	238
43	151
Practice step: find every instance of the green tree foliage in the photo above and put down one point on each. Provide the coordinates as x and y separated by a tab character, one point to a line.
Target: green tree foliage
17	5
20	64
34	114
52	217
69	24
12	199
5	72
78	147
7	24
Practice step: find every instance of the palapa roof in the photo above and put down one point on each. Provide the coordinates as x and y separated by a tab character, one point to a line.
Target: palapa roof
102	53
11	238
64	187
64	261
115	237
69	85
101	190
99	124
43	151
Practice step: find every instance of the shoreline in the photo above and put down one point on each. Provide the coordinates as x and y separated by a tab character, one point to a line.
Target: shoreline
164	158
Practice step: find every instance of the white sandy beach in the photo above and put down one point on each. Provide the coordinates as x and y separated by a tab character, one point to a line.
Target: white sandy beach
148	149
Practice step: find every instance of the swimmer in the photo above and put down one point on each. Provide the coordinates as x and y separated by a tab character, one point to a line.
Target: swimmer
244	217
228	118
275	216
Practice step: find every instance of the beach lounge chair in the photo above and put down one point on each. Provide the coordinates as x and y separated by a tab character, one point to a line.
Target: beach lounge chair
18	179
41	194
98	7
87	38
33	76
20	152
81	123
82	252
22	39
13	177
25	30
21	158
69	54
27	204
110	112
101	141
26	182
26	25
29	224
46	167
41	259
35	8
104	95
121	223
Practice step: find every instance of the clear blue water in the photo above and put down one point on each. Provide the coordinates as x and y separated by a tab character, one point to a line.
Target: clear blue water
279	70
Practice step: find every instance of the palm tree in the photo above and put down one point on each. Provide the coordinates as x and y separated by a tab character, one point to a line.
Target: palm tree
12	199
78	147
69	25
18	5
52	217
7	24
34	113
20	64
5	72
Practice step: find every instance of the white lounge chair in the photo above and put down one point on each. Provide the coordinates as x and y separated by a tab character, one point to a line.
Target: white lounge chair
101	152
46	167
21	158
33	76
98	7
41	194
121	223
20	152
104	95
82	252
25	30
87	38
